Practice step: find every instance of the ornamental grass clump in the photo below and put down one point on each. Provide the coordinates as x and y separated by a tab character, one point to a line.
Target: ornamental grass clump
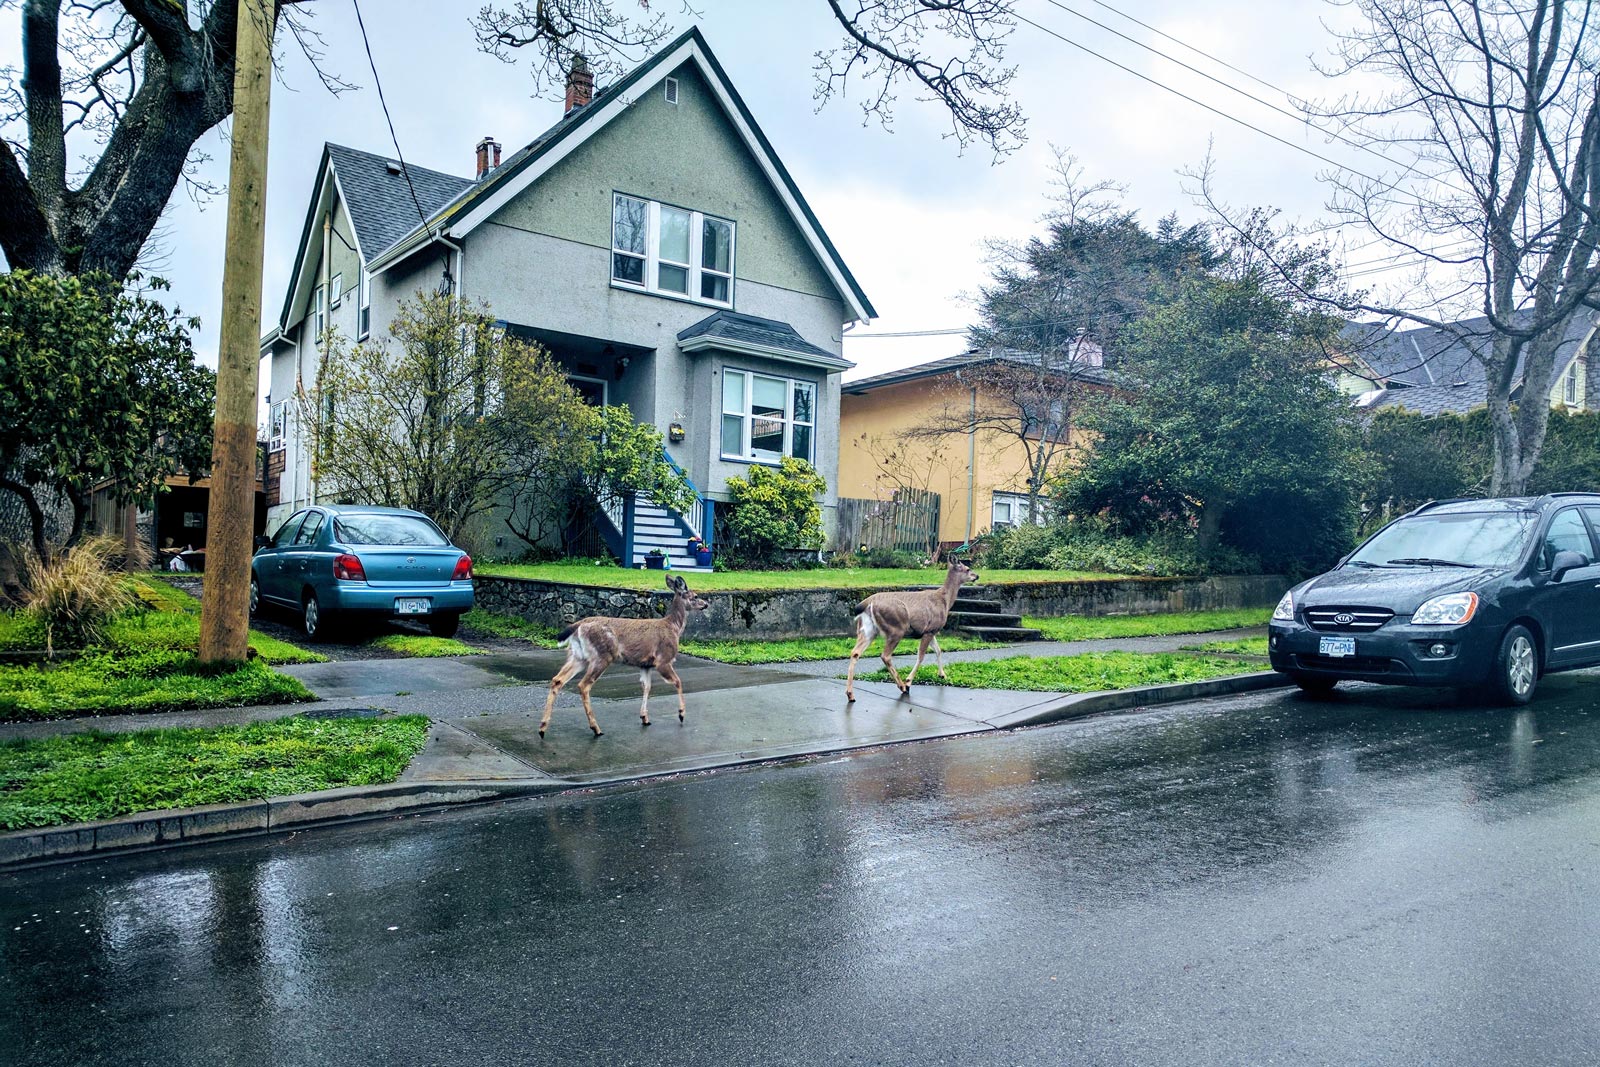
75	594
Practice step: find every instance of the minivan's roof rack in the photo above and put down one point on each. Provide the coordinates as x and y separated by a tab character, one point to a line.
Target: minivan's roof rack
1574	493
1441	503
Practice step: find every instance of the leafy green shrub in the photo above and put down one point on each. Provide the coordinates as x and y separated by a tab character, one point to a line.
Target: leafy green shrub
75	594
1020	547
774	510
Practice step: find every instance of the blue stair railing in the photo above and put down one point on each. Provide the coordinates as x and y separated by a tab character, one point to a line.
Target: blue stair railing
701	518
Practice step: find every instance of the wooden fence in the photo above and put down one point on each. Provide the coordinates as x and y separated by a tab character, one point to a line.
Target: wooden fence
907	522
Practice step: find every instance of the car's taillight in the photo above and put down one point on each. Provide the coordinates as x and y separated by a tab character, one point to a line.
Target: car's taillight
463	569
347	568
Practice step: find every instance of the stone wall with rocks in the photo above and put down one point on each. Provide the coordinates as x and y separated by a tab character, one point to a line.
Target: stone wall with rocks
783	613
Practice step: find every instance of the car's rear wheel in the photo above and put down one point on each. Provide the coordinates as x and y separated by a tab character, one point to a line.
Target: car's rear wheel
444	625
313	619
1516	667
1315	684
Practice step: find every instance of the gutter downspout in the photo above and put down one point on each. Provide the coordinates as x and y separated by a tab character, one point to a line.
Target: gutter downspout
322	342
972	459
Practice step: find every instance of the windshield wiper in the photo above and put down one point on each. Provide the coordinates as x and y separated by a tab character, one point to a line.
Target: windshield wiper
1425	562
1366	563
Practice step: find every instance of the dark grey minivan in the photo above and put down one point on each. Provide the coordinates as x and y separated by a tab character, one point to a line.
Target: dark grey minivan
1485	594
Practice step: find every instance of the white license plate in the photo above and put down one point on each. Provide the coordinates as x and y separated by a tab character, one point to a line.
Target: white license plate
1337	646
412	605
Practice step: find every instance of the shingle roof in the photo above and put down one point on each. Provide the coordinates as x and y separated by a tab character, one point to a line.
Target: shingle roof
1435	399
1429	356
751	330
970	358
379	200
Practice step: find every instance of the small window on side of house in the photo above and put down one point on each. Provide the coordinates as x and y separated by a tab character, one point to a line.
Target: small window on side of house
672	90
319	315
1569	386
364	304
336	290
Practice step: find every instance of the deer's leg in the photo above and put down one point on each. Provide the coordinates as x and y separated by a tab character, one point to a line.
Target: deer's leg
890	643
938	655
563	676
922	650
644	702
666	671
865	630
591	676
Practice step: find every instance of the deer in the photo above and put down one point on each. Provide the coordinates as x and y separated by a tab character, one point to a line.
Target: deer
897	615
595	643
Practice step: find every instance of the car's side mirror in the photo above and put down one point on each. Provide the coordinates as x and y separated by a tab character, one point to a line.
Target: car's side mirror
1566	561
262	541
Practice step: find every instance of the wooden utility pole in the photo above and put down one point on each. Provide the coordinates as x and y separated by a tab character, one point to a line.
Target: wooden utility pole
224	604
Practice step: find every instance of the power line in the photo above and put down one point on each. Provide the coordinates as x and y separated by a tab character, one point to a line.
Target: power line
378	82
1389	186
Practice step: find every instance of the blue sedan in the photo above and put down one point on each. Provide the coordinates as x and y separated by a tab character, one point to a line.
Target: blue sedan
343	560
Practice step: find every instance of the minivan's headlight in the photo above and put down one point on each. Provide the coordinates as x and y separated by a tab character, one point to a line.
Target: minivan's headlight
1452	609
1284	612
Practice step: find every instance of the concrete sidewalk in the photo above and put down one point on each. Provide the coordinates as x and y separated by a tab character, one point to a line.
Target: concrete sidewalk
484	742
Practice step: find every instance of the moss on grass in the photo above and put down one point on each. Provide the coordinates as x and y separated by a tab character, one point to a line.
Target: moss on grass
424	647
89	776
1091	672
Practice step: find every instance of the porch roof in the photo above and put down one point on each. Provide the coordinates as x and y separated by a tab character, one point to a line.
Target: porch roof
750	335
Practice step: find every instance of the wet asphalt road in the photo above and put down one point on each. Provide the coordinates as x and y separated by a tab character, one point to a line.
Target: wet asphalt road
1264	879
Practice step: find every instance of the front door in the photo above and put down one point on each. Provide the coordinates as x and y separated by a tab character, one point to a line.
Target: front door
1571	607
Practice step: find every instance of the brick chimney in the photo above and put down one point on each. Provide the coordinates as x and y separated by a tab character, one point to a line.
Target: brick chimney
580	85
485	147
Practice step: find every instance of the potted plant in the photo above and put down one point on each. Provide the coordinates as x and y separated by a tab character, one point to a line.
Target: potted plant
700	551
655	560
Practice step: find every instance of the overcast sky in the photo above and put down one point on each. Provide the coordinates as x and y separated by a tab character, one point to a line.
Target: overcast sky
907	211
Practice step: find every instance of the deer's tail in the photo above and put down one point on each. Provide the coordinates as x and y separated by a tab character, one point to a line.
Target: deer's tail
566	635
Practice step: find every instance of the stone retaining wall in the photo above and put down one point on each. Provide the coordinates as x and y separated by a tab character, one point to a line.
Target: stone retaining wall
784	613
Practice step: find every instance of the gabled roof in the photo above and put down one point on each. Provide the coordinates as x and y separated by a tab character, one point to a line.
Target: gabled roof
481	199
972	358
732	332
376	199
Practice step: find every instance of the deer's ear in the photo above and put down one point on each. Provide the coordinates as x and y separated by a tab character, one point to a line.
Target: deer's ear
677	584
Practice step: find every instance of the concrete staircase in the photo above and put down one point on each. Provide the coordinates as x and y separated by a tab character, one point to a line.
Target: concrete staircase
977	617
656	527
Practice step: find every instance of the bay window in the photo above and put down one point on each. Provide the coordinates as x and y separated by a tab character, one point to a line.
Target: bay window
765	418
671	250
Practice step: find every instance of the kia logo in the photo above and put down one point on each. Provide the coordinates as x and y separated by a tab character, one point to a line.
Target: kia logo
1344	618
413	559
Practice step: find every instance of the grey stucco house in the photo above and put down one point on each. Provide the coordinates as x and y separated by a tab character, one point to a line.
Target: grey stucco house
651	240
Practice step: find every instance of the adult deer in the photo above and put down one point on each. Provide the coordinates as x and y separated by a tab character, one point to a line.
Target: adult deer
897	615
595	643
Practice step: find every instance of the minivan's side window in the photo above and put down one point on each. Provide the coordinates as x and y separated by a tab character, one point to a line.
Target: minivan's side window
1568	533
286	532
309	528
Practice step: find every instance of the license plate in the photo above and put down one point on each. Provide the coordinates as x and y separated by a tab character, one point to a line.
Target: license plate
417	605
1337	646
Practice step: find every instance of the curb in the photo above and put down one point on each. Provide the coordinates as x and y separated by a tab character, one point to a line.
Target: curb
187	826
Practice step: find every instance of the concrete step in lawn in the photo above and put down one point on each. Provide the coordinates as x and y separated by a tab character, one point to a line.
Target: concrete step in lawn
960	619
1001	633
976	605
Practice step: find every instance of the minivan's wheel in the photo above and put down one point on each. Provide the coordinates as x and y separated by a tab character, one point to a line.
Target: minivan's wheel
1516	667
312	618
255	597
444	625
1315	684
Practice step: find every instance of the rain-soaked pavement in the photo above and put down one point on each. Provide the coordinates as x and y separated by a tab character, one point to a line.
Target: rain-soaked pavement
1259	879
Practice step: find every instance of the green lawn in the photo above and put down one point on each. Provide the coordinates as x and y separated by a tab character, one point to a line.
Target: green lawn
805	649
493	625
1094	627
423	647
177	612
105	681
1091	672
820	578
90	776
1245	646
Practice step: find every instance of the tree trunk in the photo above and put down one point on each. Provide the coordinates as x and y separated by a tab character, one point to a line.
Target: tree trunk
35	514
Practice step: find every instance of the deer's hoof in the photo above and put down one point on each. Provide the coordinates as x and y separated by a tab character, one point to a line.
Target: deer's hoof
850	698
644	722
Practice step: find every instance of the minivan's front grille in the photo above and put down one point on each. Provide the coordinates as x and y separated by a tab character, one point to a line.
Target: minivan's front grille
1347	620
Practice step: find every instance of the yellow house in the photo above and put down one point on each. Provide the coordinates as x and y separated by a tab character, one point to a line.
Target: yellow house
979	470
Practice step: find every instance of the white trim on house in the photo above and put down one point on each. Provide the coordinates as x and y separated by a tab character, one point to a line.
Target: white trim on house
706	342
480	210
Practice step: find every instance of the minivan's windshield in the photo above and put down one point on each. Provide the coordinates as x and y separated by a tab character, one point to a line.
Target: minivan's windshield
1472	540
387	530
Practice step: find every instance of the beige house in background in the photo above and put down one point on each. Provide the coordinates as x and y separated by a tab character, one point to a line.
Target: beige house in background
981	477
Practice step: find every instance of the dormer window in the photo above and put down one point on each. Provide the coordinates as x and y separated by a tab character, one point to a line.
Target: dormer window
672	251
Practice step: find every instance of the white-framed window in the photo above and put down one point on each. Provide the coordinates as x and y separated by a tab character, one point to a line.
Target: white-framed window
1569	385
1011	509
765	418
364	308
278	426
671	250
336	290
319	314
